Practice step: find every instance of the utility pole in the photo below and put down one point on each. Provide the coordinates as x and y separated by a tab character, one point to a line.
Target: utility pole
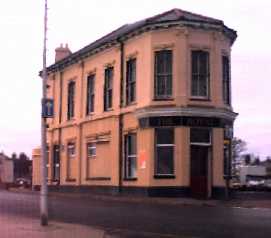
43	161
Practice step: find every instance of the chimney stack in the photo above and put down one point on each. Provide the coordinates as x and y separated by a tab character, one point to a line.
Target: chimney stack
62	52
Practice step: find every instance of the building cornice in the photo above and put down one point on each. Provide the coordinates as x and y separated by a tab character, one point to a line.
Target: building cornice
186	112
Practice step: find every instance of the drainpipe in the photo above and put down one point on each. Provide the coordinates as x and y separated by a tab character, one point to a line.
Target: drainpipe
59	122
80	127
122	60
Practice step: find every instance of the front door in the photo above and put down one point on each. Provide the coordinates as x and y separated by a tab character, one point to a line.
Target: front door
56	163
199	171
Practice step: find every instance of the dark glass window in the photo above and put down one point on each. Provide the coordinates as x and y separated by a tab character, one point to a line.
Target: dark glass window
226	79
108	88
164	151
130	81
200	73
163	74
71	92
130	156
90	93
200	135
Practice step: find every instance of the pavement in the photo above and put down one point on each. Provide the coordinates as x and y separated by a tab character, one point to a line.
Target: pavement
25	227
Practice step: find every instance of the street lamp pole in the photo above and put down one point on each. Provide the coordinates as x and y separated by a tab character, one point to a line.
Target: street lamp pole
43	161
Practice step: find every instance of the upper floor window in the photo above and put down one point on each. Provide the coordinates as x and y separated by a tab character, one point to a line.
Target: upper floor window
90	93
108	88
163	74
200	74
164	164
130	81
226	79
71	92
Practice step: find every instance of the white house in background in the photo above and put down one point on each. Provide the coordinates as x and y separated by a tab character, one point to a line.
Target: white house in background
6	170
250	173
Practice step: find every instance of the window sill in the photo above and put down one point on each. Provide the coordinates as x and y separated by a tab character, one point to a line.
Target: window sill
163	99
109	110
91	114
97	178
130	104
164	176
200	99
130	179
70	120
70	180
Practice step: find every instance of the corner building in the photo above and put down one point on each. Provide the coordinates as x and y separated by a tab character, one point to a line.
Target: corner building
146	110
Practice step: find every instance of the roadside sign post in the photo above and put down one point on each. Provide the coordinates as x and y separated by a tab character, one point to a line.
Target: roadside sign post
45	109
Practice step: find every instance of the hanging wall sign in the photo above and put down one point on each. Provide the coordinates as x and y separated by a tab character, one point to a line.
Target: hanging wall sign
47	108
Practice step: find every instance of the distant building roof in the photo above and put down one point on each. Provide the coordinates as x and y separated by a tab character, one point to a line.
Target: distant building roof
174	16
3	156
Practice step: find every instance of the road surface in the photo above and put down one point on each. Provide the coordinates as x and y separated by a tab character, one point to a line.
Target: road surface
130	219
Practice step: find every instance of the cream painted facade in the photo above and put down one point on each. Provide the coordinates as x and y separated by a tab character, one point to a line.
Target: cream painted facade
107	129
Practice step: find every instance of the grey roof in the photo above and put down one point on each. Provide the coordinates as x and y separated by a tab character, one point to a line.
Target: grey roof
111	38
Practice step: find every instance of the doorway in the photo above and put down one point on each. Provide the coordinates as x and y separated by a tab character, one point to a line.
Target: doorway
200	150
199	171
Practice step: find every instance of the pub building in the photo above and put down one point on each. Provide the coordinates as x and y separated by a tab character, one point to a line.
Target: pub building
144	110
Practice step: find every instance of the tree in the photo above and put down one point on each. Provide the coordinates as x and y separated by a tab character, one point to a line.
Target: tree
247	159
14	156
238	147
256	161
22	166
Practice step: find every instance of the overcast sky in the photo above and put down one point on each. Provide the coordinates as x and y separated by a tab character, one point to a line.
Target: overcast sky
80	22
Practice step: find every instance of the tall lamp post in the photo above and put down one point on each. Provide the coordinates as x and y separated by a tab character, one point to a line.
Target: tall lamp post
43	161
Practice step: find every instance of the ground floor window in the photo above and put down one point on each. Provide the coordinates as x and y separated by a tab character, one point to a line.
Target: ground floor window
164	151
200	136
130	156
70	157
71	150
91	150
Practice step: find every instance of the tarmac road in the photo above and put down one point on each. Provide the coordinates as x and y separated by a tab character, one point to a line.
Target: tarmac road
130	219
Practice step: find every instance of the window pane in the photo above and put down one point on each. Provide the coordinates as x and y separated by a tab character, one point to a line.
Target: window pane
165	136
130	155
71	91
161	86
203	63
163	73
169	85
194	62
202	86
131	170
108	88
90	93
165	160
200	135
71	149
91	149
226	79
200	73
130	80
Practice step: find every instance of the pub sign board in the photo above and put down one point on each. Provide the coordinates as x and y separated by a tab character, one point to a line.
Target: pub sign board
171	121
